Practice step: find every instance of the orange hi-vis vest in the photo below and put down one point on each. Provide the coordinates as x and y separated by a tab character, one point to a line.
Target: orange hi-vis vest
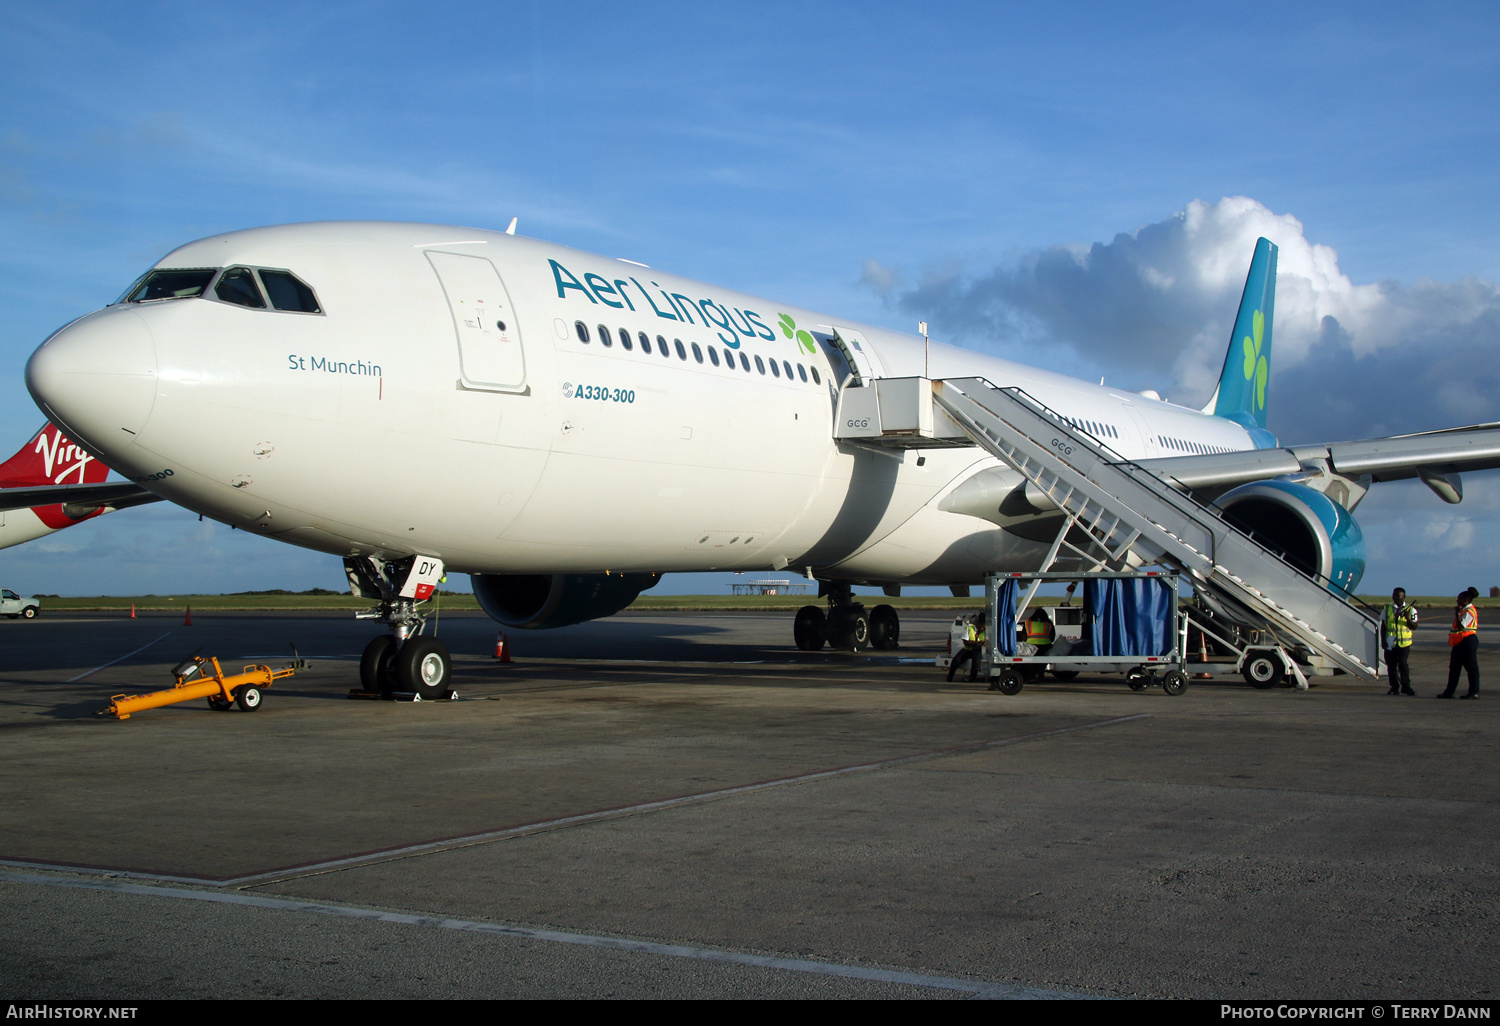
1465	624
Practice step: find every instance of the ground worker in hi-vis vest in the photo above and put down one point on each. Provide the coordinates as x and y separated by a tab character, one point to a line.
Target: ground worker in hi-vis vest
973	649
1039	630
1396	623
1463	642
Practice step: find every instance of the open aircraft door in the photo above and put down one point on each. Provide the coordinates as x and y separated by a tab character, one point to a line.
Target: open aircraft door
489	333
856	349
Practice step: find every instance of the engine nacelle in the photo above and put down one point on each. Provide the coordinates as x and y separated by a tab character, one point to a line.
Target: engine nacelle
539	601
1316	534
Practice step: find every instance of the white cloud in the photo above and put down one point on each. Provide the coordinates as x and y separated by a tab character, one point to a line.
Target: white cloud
1155	307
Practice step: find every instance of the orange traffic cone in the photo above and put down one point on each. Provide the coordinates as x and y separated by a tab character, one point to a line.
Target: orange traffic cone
502	648
188	620
132	610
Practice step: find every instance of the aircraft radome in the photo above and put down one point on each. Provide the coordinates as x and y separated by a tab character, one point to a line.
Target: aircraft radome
566	427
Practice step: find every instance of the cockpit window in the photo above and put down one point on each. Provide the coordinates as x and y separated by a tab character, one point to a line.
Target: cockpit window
288	292
171	284
237	285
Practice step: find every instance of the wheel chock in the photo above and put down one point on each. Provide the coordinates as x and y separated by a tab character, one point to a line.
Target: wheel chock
400	696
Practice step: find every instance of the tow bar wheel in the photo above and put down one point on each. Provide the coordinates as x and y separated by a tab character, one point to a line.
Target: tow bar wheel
248	697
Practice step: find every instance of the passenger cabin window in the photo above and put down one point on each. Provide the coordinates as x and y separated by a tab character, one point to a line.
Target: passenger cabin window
681	352
237	286
760	365
605	338
774	369
290	293
170	284
816	380
625	340
745	361
697	353
713	356
582	330
645	342
661	344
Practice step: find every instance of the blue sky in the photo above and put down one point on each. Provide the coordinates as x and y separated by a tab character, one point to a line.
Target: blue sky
883	162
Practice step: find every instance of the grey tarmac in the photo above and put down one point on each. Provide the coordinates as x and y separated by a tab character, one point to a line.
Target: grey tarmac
683	805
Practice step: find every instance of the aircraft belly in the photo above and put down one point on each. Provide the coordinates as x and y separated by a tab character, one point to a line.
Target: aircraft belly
20	525
936	547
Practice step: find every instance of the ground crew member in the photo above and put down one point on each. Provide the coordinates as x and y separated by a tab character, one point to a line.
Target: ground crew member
1039	631
1396	623
973	649
1463	641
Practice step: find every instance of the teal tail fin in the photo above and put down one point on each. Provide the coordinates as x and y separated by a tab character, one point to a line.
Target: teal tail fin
1247	366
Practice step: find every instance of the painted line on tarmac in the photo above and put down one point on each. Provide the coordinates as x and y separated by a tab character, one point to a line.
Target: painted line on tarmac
976	988
431	847
112	662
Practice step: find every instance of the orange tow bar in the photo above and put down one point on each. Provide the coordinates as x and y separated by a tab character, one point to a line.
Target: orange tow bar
244	689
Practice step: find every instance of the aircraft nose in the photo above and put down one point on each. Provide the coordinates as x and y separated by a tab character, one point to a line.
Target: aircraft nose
96	377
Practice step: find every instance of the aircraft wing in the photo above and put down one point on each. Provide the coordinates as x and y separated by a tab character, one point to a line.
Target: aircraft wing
1435	456
115	494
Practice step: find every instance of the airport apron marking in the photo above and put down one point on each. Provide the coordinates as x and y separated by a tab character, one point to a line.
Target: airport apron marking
127	655
506	833
977	988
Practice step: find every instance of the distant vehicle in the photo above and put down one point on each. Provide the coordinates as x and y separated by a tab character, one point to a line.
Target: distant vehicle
13	605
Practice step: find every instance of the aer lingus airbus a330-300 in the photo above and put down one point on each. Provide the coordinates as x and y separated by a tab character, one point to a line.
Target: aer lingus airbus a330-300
566	427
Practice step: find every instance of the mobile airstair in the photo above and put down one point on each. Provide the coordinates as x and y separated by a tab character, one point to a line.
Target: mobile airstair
1117	514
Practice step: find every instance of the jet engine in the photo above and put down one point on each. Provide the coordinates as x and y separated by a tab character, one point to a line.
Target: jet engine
539	601
1315	533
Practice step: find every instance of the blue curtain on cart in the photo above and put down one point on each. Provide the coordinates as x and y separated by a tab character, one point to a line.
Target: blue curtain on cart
1003	630
1132	616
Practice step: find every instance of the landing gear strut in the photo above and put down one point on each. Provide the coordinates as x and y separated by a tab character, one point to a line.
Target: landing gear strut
403	661
847	624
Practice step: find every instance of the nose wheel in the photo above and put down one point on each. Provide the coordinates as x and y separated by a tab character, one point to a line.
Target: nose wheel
421	667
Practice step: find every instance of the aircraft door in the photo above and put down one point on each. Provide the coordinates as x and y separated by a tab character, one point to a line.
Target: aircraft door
490	356
856	349
1143	431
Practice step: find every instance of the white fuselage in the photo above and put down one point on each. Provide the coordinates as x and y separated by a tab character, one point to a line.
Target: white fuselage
402	419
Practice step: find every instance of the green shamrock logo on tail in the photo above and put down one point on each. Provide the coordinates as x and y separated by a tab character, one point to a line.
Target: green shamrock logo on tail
1256	366
790	330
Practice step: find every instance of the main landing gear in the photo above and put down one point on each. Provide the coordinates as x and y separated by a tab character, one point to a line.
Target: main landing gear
847	624
403	662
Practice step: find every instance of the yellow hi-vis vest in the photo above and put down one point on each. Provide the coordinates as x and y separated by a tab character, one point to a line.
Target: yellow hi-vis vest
1397	626
1465	624
973	636
1038	632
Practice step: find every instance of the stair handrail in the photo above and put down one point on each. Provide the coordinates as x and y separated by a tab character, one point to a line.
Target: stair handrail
1111	456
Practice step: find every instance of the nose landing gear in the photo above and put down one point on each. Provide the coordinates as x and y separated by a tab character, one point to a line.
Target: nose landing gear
403	662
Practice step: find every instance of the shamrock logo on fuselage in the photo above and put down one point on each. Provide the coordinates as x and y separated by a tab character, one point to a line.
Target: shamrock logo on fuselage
1257	367
790	330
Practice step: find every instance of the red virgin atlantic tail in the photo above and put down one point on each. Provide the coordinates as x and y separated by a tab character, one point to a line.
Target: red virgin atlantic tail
50	458
51	484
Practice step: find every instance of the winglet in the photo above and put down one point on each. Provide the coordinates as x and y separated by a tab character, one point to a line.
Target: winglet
1245	379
